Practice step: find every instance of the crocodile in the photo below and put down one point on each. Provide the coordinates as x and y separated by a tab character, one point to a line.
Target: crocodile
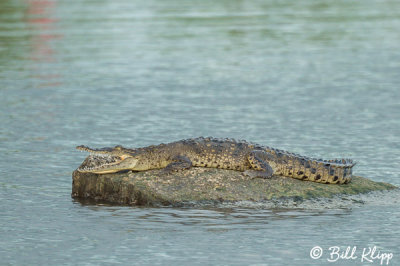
252	159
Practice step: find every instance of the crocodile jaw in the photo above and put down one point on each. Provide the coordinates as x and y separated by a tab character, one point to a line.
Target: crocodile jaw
105	164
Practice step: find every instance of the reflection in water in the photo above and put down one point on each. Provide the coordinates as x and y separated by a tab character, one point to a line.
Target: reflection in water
220	216
42	24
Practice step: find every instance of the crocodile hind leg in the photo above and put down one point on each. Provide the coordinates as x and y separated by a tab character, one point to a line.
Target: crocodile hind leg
259	167
178	163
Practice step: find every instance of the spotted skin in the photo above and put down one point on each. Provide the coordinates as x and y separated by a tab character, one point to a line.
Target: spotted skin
252	159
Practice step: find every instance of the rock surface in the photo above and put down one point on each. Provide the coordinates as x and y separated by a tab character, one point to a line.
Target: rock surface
205	185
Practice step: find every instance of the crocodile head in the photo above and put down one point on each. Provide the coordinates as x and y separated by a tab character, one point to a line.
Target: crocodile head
107	160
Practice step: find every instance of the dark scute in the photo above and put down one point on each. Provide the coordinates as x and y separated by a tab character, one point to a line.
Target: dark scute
313	170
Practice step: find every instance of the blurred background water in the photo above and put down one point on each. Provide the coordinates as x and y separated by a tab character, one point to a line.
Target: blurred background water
312	77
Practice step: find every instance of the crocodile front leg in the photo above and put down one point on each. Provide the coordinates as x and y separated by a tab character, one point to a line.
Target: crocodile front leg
259	167
178	163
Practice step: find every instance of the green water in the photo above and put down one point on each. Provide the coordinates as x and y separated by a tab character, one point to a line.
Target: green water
312	77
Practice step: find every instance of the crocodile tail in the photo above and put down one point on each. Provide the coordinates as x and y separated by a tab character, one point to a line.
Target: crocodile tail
337	171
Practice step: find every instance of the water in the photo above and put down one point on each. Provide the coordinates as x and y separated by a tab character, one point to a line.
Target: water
311	77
